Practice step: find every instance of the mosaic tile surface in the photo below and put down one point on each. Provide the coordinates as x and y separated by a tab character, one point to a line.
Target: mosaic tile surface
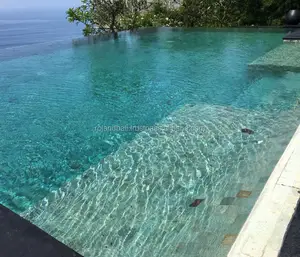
244	194
229	239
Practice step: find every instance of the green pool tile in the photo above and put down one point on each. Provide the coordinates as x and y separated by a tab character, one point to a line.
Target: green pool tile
229	239
225	214
258	188
238	223
243	194
245	205
209	239
264	179
231	191
227	201
248	185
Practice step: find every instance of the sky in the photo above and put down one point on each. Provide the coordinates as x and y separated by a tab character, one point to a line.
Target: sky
37	4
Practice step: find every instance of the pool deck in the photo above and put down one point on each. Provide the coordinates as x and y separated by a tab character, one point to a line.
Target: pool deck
266	228
20	238
291	246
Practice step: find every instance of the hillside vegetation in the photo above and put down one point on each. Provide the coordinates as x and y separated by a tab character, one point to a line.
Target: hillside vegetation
100	16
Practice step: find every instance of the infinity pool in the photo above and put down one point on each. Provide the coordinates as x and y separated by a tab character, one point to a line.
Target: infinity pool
110	189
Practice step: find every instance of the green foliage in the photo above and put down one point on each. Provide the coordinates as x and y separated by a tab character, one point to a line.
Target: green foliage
159	8
82	14
98	16
112	15
218	13
155	15
193	11
276	10
107	13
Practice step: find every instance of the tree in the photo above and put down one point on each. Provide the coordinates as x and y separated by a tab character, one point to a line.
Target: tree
83	14
114	15
193	12
98	16
134	9
107	13
276	9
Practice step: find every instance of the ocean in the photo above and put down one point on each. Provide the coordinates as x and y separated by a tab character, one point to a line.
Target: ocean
29	27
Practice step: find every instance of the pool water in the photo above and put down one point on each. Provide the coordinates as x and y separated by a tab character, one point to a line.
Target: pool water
127	193
137	201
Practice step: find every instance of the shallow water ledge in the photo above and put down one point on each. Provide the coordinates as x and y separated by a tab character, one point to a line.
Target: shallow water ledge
284	57
264	231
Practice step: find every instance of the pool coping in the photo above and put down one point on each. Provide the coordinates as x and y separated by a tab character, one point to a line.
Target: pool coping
263	233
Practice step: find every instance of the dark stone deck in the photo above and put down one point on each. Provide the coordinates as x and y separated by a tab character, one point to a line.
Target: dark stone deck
291	243
20	238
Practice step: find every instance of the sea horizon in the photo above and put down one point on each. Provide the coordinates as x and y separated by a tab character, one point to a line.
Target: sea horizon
28	26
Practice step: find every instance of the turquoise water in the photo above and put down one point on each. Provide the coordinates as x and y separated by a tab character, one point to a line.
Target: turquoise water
137	201
55	105
50	104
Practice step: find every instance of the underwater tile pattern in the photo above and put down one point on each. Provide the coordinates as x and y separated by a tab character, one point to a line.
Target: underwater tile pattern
244	194
229	239
227	201
137	202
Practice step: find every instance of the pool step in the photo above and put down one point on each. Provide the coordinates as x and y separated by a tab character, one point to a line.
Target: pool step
283	58
269	92
137	202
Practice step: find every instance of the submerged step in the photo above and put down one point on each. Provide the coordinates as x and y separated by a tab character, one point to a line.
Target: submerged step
18	237
282	91
139	201
283	58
